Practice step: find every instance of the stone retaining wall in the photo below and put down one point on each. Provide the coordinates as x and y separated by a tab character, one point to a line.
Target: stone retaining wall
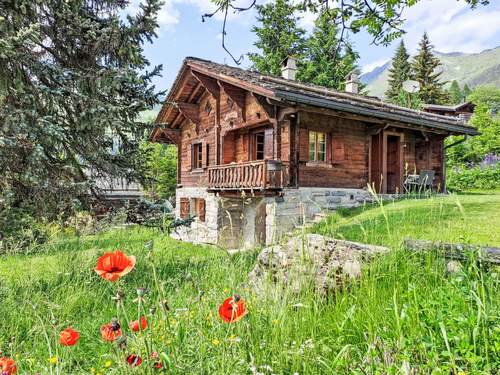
244	222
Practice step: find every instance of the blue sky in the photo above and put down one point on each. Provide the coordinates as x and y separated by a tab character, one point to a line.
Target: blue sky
451	25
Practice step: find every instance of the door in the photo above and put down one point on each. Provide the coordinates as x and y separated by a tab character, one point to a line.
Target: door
393	160
386	164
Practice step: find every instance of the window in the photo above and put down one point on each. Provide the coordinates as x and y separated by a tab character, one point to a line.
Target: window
208	108
184	209
207	154
199	205
259	146
197	156
317	146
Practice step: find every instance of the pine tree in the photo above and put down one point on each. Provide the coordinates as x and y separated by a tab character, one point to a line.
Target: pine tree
466	91
73	80
278	36
399	72
455	94
425	67
325	64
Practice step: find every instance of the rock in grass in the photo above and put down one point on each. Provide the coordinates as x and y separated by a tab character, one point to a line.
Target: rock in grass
311	261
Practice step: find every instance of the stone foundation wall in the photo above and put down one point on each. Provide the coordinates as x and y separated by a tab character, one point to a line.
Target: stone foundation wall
199	232
250	221
299	206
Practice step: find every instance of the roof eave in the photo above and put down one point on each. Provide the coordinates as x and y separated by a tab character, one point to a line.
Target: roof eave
335	105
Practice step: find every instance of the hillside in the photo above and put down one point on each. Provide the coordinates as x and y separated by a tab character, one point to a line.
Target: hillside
471	68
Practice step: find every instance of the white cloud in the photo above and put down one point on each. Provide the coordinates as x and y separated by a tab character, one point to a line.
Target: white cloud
168	15
452	25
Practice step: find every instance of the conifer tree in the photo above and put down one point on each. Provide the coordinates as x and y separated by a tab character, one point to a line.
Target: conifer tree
399	72
466	91
73	81
426	73
325	63
278	36
455	94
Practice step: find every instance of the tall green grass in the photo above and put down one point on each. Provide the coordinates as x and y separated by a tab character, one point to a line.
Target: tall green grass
405	314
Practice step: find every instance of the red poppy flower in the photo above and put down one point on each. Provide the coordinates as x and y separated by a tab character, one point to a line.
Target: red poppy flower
157	364
110	331
69	337
232	309
134	360
134	326
7	366
112	266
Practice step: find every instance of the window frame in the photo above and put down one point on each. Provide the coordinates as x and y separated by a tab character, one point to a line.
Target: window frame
314	140
256	151
197	156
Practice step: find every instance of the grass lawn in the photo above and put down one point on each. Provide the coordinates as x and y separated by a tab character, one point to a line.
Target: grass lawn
405	312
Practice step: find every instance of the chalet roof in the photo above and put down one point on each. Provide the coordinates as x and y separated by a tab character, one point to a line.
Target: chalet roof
292	93
447	108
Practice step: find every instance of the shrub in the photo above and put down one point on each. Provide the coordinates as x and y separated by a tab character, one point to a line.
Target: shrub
463	178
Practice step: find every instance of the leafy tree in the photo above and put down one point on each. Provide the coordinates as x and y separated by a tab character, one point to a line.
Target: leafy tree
399	72
325	63
455	94
489	95
383	20
278	36
161	170
425	66
487	122
73	79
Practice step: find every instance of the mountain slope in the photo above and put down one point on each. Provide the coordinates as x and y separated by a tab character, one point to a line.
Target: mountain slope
471	68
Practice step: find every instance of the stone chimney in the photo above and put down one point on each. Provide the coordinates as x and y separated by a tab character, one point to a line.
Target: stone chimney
289	68
352	83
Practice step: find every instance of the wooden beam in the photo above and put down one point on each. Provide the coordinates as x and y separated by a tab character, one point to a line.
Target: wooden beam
210	84
166	135
190	112
285	111
194	92
237	95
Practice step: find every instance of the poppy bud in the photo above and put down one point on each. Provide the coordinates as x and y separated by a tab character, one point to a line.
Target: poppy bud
118	296
152	310
165	305
115	325
134	360
141	292
139	325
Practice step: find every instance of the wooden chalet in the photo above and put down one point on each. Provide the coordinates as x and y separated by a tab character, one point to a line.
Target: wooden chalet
463	111
258	155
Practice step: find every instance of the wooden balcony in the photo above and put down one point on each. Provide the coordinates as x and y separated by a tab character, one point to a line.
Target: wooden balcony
252	175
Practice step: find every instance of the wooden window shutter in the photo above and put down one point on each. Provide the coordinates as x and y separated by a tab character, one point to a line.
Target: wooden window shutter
184	211
200	208
338	150
191	162
269	144
303	146
204	155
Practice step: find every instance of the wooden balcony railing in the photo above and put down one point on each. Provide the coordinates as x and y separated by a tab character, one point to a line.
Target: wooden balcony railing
252	175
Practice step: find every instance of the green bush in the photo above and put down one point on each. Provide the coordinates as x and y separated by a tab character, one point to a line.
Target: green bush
20	231
462	178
